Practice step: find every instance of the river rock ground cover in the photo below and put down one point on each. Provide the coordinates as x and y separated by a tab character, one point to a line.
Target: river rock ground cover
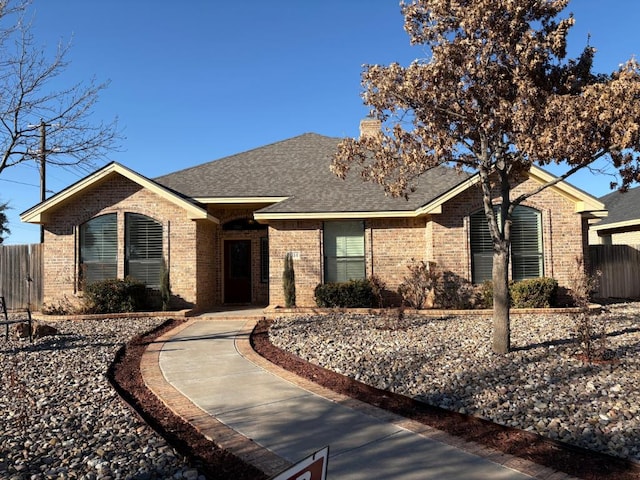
544	385
61	418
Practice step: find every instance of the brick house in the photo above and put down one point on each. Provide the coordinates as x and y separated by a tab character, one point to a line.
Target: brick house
222	229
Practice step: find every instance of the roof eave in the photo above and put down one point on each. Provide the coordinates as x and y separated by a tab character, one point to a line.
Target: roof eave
616	225
584	203
39	213
267	216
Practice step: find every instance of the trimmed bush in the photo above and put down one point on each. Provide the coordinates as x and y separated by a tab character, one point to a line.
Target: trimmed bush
486	294
534	293
531	293
351	294
115	296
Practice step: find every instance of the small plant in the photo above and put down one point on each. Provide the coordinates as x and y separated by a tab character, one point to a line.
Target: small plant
114	296
61	306
581	284
530	293
392	319
420	285
378	287
289	282
592	340
486	293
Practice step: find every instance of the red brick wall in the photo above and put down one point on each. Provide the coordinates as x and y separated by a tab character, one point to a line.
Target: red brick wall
304	237
562	230
195	248
118	195
390	244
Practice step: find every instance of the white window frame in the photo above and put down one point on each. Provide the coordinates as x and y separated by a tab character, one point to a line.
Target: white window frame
344	251
99	249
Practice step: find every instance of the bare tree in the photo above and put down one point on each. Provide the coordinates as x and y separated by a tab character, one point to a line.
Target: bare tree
29	104
496	95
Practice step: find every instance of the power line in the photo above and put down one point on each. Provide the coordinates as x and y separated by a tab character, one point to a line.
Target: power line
19	183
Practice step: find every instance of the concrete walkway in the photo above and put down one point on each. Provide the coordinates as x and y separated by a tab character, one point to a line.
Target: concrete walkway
207	372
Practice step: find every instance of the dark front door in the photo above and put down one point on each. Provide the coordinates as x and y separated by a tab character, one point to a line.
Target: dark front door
237	271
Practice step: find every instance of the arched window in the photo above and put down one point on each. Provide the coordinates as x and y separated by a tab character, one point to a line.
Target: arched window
527	258
143	246
99	249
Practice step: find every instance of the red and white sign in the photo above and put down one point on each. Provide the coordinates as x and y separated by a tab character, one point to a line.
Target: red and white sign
314	467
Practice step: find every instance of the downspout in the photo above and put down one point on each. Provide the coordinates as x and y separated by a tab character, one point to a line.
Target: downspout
371	252
76	263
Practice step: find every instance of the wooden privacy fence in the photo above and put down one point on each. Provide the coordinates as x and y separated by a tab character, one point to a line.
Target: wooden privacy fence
620	268
21	275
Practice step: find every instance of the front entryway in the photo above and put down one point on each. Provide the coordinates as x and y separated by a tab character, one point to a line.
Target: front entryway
237	271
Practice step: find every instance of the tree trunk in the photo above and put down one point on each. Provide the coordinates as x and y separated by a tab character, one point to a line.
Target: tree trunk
501	323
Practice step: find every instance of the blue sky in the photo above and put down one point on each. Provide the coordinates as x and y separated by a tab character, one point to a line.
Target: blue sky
198	80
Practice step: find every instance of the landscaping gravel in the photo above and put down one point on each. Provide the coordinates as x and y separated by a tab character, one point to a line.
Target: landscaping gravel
62	419
544	385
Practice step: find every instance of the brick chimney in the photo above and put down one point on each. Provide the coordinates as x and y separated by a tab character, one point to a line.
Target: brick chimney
369	126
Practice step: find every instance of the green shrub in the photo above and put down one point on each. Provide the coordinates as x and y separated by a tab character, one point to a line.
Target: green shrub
114	296
351	294
486	294
531	293
534	293
453	291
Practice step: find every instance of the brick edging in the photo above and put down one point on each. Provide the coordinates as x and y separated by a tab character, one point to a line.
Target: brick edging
243	345
210	427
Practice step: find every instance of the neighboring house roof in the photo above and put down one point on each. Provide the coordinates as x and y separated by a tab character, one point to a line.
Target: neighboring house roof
38	213
291	179
624	210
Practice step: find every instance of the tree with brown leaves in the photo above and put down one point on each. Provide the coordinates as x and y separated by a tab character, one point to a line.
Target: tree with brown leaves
496	96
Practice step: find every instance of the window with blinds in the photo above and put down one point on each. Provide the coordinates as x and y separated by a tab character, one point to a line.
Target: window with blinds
481	249
344	251
99	249
526	246
143	247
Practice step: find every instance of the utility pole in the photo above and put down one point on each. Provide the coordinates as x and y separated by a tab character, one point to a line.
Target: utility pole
42	155
43	166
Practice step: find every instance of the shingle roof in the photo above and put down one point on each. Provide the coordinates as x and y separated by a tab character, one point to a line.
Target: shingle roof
622	207
298	168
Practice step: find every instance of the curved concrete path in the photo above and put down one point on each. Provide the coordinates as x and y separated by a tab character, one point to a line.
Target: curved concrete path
206	371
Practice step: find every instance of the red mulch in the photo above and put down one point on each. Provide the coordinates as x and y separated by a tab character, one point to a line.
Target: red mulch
559	456
216	463
209	459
